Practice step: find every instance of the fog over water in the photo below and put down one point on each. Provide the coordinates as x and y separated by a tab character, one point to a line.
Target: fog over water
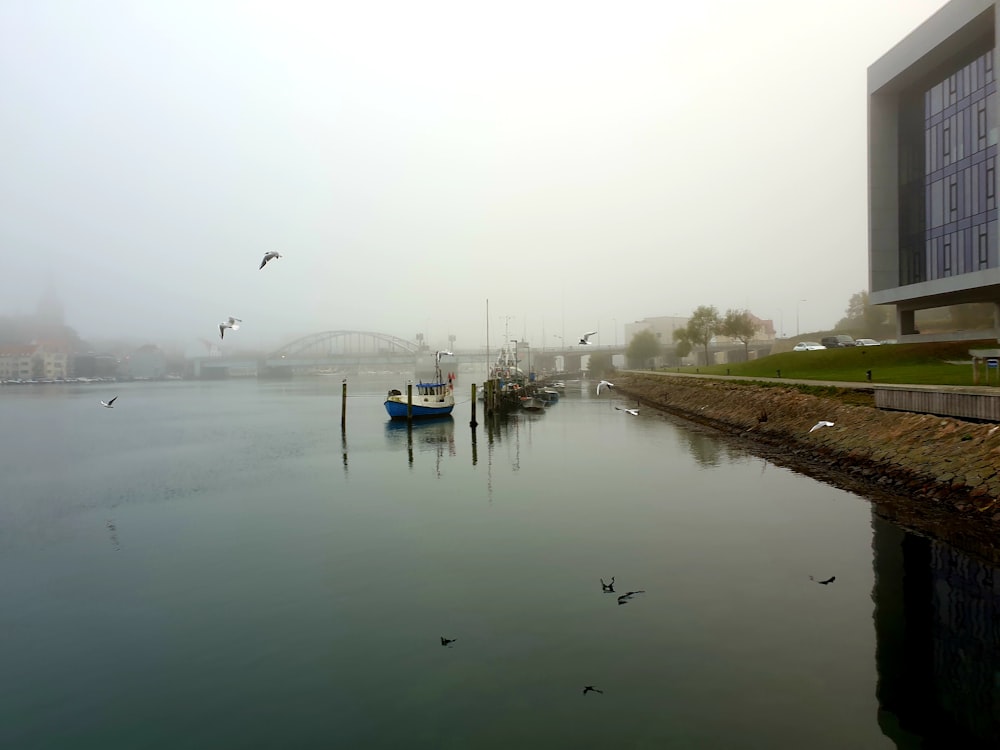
580	165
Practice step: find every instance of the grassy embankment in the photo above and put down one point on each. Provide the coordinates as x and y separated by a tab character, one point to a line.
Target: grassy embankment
943	363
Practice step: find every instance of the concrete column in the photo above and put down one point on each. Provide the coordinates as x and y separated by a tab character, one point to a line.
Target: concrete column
905	322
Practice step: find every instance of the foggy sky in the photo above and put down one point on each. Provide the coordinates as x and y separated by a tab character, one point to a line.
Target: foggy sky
580	164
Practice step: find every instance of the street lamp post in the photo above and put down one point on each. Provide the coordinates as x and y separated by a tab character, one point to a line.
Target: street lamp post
797	316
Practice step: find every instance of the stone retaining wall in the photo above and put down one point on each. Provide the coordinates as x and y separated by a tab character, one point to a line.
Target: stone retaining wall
936	462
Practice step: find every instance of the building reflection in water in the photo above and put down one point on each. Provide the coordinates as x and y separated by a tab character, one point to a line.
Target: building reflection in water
937	627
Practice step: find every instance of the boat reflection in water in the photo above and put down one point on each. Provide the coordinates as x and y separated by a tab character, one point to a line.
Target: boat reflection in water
430	434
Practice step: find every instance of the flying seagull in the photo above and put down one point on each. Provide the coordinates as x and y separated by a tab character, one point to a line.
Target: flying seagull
230	323
604	384
634	412
591	689
108	404
831	579
821	423
269	256
446	641
609	587
585	339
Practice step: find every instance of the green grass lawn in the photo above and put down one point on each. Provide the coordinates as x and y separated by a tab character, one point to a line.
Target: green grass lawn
928	363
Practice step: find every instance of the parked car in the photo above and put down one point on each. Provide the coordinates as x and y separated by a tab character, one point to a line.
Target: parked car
838	341
807	346
888	341
866	342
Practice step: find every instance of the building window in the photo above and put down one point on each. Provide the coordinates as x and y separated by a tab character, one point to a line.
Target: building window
991	198
980	125
946	253
983	246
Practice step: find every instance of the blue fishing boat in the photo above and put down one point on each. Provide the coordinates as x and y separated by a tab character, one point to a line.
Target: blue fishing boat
430	399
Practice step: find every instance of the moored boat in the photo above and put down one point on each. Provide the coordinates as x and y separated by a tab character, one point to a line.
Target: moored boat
429	399
532	403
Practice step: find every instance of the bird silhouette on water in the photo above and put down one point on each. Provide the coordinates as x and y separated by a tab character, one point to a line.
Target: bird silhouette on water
831	579
591	689
624	598
446	641
608	587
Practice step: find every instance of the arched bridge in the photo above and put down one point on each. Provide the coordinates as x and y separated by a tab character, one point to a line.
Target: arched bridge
340	344
337	350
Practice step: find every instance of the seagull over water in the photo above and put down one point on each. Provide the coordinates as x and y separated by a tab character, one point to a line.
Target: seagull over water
446	641
604	384
591	689
821	423
109	404
230	323
609	587
269	256
634	412
585	338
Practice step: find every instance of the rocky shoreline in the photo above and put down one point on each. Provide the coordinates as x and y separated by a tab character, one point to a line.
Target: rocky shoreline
935	475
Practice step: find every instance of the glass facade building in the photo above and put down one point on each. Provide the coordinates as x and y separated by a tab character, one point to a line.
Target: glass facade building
933	132
947	174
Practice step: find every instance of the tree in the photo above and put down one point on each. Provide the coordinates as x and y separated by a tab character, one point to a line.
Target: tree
643	347
683	347
703	326
863	317
972	316
600	365
739	325
857	306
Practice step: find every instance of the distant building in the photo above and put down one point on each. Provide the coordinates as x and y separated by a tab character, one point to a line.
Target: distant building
932	162
146	363
15	362
91	365
663	328
36	361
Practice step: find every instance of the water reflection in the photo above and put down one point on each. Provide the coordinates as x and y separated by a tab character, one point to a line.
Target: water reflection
937	625
426	435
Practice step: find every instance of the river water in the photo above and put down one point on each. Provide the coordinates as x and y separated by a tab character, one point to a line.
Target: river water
217	565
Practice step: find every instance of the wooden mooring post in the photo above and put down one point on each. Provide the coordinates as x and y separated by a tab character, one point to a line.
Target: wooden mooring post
343	404
409	402
472	422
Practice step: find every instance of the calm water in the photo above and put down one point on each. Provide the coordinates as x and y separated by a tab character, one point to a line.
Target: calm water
212	565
